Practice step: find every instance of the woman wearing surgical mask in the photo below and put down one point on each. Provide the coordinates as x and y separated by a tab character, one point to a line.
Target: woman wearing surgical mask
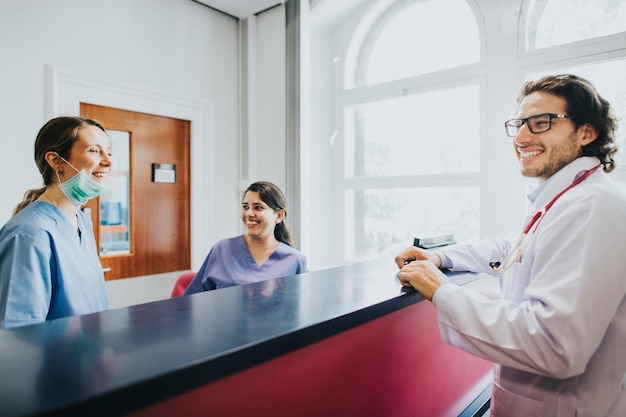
49	265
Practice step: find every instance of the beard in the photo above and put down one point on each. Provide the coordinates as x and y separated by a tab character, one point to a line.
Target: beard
553	159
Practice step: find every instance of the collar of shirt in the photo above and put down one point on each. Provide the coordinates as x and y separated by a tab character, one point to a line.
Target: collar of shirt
560	180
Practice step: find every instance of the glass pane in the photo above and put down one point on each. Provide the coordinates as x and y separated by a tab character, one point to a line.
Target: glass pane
380	222
114	203
437	132
610	80
400	43
557	22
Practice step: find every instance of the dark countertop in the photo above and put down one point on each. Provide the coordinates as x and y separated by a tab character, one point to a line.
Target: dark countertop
121	360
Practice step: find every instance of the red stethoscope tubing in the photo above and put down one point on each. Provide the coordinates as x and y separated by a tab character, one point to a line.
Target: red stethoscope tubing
533	224
541	213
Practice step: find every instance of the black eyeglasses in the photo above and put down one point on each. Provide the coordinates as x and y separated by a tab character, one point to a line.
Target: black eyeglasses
538	123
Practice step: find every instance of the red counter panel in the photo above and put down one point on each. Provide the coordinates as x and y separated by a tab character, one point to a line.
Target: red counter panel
396	365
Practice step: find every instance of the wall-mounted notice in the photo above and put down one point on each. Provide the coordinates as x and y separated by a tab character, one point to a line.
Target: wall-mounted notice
165	173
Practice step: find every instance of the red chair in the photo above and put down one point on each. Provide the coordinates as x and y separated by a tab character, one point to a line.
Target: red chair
182	283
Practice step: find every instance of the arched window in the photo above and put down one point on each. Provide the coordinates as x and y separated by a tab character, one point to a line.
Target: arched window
408	104
407	100
406	38
558	22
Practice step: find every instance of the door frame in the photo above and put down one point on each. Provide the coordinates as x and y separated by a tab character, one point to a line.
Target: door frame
65	91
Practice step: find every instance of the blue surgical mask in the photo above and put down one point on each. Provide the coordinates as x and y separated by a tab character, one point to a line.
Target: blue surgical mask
81	187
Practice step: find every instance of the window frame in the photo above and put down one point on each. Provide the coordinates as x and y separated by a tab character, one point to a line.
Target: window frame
500	73
464	75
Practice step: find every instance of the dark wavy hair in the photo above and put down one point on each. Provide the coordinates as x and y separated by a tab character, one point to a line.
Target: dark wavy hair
585	106
273	197
57	135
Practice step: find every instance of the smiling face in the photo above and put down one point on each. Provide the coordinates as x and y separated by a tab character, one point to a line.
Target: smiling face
259	218
91	152
543	154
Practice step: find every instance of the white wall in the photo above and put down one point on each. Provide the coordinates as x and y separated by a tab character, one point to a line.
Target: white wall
172	48
270	99
263	98
263	124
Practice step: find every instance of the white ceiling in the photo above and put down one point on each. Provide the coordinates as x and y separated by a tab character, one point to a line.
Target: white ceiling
241	8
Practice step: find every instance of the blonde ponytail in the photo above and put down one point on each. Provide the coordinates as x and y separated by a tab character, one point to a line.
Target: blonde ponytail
29	197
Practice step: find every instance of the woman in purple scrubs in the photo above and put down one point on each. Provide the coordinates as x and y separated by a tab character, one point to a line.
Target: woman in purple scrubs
264	252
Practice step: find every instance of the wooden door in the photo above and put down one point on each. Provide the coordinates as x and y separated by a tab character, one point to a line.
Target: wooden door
159	211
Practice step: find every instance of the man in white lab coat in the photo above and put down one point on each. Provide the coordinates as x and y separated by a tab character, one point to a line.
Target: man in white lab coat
557	333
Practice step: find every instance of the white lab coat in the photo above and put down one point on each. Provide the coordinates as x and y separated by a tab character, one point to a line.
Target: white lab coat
558	333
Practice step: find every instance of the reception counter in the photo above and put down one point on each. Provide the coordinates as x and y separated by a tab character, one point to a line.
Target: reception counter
345	341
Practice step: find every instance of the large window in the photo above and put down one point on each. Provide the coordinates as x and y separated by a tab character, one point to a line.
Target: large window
410	139
559	22
408	98
414	135
407	145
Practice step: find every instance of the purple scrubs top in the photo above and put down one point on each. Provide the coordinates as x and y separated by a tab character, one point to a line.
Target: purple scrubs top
230	263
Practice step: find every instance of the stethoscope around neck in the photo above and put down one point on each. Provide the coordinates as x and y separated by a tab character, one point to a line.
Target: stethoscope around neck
515	254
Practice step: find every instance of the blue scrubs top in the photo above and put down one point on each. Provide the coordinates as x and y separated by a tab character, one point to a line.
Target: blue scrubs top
230	263
47	269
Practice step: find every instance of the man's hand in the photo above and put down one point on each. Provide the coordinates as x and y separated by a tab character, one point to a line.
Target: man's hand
419	269
413	253
422	275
